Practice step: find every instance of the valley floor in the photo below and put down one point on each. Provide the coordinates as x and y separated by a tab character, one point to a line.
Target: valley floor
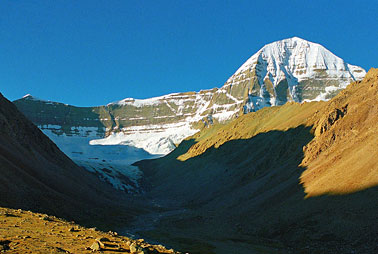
153	227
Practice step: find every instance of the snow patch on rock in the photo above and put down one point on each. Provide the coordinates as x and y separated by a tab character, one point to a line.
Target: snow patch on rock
155	139
111	163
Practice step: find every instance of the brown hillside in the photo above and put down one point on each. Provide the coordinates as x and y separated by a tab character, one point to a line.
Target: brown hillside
342	158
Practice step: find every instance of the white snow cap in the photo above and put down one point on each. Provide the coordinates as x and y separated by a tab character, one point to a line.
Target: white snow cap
28	96
143	102
298	59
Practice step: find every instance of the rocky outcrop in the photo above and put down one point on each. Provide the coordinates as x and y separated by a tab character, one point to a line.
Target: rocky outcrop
326	122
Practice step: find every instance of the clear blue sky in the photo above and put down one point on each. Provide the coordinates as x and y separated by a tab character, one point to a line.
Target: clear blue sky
89	52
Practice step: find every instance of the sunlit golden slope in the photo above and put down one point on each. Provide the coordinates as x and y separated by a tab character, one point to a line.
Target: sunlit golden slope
280	118
342	158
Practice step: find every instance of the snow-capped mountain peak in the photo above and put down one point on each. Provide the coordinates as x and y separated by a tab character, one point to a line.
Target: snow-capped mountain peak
298	59
292	62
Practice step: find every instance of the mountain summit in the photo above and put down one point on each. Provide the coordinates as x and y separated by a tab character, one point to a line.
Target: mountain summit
297	59
288	70
293	70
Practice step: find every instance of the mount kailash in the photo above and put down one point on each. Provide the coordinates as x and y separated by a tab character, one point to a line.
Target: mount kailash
288	70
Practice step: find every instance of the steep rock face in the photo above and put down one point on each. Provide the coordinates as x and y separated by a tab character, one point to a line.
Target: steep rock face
155	124
158	124
288	70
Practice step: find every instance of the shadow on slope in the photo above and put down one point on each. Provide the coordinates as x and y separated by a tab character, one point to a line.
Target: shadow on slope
247	193
35	175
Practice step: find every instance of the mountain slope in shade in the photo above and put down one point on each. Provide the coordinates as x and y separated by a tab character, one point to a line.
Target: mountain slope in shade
36	175
299	176
288	70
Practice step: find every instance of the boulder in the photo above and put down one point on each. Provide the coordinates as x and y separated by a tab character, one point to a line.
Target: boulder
95	246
